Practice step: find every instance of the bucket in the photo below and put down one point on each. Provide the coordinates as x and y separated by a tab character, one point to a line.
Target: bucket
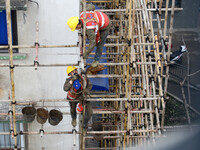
42	115
29	113
55	117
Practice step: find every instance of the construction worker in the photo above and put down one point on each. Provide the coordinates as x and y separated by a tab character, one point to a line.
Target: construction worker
74	85
97	29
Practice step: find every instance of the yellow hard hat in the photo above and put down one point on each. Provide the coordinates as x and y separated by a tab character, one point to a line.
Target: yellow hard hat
72	23
70	69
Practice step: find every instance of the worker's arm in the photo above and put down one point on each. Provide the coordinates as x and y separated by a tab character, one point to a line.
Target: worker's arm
67	85
89	85
92	39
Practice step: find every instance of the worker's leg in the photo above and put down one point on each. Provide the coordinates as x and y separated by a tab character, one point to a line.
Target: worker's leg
73	112
103	36
88	113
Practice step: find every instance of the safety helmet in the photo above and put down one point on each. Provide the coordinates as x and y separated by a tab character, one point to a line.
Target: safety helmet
70	69
72	23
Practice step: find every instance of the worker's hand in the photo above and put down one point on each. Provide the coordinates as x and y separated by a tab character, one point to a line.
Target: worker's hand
70	82
75	77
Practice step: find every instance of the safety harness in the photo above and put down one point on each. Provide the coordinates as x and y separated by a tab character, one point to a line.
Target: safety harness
97	21
76	89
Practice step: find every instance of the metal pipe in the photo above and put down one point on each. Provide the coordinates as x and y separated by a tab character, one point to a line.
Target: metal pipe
36	46
138	9
40	46
40	65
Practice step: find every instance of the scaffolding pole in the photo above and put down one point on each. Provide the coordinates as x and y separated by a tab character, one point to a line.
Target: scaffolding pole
8	18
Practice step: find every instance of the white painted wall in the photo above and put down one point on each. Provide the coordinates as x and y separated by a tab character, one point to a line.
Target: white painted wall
46	82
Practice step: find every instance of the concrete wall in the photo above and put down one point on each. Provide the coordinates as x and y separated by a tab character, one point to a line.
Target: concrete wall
188	18
46	82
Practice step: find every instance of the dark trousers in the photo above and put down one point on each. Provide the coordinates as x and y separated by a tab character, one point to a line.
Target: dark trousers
88	111
103	36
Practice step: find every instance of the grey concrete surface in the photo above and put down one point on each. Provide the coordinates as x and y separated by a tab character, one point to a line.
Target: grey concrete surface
189	37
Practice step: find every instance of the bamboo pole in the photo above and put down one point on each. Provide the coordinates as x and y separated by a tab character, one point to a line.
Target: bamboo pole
129	71
152	84
36	46
8	18
168	54
144	68
83	62
169	47
166	16
143	30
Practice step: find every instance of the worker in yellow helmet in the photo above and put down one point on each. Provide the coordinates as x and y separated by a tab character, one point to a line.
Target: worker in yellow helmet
97	29
74	85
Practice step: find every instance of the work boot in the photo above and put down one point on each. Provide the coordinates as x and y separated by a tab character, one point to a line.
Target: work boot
95	63
73	122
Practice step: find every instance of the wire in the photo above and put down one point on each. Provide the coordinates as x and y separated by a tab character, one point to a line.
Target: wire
24	17
34	2
188	72
194	73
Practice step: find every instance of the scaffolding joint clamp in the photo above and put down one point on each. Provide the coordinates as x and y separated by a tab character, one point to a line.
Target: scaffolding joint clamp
36	62
11	131
41	131
129	42
15	135
79	62
13	102
74	130
122	95
83	72
157	11
128	132
148	3
158	60
12	67
126	110
10	111
21	133
117	28
36	43
131	64
147	38
149	54
151	78
129	101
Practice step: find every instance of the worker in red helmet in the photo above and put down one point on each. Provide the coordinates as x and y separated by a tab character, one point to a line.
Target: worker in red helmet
74	86
97	29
